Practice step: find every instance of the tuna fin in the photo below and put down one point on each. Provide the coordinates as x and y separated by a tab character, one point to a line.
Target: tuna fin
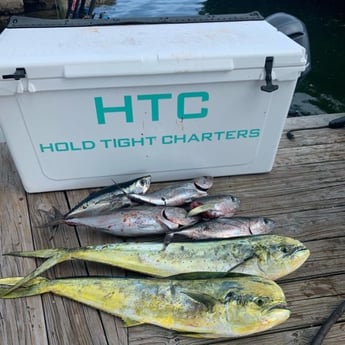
60	256
207	300
119	186
200	209
131	323
146	199
168	239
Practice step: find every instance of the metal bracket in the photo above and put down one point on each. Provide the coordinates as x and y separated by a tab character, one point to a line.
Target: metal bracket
19	73
269	87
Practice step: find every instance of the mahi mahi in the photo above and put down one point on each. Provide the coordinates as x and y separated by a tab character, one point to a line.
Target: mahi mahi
207	308
270	256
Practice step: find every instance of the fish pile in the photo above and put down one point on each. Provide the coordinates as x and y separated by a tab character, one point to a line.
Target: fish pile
186	209
221	284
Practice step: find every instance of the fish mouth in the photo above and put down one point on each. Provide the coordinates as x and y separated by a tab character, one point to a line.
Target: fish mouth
298	250
203	183
277	314
279	306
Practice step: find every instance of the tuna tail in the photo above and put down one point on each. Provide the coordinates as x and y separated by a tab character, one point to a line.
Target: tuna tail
56	218
35	287
168	239
54	257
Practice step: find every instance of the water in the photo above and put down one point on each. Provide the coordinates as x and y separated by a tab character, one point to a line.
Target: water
150	8
322	90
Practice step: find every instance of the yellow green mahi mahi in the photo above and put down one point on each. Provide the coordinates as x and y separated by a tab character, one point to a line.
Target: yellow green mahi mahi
210	308
270	256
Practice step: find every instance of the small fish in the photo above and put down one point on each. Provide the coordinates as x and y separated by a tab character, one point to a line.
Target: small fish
110	197
177	194
214	206
205	308
270	256
140	220
224	227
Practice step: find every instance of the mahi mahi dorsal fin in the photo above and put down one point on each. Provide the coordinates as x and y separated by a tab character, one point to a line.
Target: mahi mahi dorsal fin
206	275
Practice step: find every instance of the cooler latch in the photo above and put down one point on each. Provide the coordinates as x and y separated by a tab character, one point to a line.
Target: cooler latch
269	87
19	73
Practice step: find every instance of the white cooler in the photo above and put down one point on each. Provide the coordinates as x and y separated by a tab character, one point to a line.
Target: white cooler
86	102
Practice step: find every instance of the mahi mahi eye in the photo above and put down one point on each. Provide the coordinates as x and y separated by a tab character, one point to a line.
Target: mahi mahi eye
284	250
229	296
259	302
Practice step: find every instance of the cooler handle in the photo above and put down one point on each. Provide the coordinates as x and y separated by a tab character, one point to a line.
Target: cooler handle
147	67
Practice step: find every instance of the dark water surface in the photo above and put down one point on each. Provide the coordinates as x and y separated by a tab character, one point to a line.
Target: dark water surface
322	90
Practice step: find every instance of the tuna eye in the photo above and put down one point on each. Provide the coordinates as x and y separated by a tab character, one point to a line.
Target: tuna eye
266	221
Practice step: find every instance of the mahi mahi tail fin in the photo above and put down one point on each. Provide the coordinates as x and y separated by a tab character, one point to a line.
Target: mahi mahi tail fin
42	254
37	286
54	258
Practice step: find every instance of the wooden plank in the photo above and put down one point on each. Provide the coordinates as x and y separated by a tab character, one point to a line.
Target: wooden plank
304	194
303	336
85	327
113	327
21	321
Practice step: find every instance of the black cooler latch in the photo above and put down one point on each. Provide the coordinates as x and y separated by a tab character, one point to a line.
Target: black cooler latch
19	73
269	87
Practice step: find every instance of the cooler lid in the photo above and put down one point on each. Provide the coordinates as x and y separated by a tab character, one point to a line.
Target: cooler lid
103	48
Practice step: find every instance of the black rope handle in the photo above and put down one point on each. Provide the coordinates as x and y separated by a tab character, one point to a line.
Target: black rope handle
336	123
330	321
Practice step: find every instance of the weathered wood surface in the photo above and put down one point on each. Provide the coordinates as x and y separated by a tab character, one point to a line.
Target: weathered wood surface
305	194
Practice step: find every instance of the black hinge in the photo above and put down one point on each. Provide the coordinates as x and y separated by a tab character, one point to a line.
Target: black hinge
19	73
269	87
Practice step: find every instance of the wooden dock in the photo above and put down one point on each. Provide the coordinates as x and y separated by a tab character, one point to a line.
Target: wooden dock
304	194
